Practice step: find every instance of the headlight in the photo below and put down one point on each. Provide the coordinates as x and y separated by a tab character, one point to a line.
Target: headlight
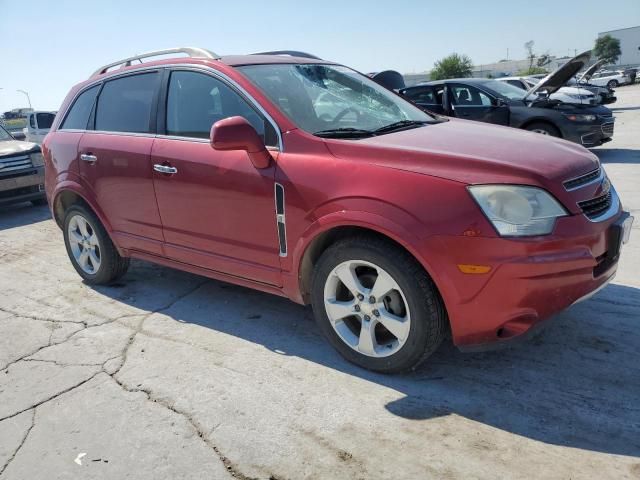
581	117
518	211
37	159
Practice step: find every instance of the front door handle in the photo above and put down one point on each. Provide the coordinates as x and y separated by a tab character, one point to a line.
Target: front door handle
165	169
86	157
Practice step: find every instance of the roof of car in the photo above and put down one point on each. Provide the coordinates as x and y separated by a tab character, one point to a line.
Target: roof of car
240	60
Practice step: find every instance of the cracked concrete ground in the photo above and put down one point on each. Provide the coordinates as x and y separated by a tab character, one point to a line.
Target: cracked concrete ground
168	375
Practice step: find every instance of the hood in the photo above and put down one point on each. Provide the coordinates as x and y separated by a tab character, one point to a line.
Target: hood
588	73
559	77
12	147
472	152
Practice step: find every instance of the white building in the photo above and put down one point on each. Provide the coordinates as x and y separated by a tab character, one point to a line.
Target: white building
629	44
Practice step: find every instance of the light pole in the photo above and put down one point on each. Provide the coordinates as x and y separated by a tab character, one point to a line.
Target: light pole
28	99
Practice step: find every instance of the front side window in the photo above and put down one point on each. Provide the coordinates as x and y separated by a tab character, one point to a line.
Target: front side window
124	104
196	101
78	115
322	98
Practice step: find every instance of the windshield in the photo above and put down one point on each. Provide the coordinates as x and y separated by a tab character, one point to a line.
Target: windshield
505	90
4	135
327	98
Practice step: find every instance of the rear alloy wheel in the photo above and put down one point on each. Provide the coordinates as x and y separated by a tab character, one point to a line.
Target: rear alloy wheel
90	249
612	84
376	305
543	129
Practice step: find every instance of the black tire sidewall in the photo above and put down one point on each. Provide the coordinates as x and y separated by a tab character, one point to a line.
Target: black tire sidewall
612	84
414	349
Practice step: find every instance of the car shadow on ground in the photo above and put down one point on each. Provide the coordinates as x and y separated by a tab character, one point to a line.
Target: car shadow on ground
22	214
617	155
576	384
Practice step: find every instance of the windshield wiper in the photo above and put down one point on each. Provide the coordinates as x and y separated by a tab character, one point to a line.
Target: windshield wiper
344	133
402	124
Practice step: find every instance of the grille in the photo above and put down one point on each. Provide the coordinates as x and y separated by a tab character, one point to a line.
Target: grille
607	128
582	180
596	206
9	164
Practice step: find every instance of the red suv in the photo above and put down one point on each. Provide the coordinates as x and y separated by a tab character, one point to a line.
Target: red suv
303	178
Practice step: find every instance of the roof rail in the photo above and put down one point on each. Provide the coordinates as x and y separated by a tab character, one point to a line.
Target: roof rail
189	51
291	53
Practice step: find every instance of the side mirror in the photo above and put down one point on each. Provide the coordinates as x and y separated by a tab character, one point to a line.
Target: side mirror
500	102
235	133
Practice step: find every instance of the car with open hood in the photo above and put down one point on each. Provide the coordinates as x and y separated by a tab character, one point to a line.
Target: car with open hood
303	178
491	101
581	80
564	94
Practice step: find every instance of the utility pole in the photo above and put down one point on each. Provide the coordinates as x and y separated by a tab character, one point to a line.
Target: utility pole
28	99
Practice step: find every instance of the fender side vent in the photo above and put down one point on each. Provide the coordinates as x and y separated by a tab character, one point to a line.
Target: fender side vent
281	220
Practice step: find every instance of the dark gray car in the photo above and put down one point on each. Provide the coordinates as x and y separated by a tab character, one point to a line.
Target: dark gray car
496	102
21	171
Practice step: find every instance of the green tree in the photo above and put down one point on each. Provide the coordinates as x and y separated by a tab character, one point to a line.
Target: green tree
452	66
607	48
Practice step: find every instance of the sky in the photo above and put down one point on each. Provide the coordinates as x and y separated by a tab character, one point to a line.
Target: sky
48	46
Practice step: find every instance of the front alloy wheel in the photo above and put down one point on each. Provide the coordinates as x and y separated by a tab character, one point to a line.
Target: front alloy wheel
376	304
367	308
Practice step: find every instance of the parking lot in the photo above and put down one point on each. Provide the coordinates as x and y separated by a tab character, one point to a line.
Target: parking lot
168	375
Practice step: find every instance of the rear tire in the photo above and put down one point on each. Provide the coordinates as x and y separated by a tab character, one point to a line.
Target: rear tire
612	84
408	303
91	251
543	129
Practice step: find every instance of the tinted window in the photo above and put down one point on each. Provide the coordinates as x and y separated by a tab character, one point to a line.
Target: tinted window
196	101
421	95
45	120
32	121
124	104
78	116
466	95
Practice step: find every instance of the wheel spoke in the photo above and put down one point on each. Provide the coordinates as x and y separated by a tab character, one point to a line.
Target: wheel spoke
75	237
398	326
93	239
367	340
82	225
95	261
83	259
337	310
348	276
384	284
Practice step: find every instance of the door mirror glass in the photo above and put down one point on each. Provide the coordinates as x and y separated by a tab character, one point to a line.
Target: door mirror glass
236	133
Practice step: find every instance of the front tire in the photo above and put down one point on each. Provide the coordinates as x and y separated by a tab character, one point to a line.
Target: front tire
376	305
90	249
612	84
543	129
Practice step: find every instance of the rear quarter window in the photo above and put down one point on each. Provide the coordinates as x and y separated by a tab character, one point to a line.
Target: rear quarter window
78	115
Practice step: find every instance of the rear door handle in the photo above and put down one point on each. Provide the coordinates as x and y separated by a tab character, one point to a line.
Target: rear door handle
165	169
86	157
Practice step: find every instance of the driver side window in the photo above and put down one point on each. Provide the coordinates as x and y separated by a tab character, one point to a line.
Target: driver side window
195	101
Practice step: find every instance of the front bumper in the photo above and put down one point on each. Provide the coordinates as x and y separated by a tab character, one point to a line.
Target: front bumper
22	186
530	279
591	135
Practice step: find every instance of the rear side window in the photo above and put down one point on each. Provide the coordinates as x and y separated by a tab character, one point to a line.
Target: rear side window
45	120
196	101
421	95
78	115
124	104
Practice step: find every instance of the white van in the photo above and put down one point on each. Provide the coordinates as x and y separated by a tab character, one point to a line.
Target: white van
38	125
